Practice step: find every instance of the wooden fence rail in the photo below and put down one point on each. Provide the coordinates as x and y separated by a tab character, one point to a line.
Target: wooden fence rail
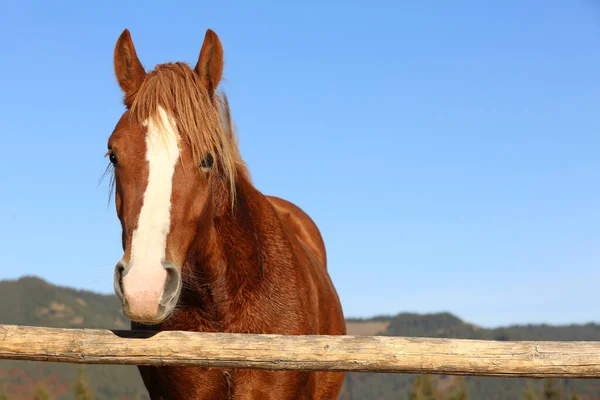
317	353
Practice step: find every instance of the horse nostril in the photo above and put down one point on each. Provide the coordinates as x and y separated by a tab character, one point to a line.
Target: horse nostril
172	284
118	280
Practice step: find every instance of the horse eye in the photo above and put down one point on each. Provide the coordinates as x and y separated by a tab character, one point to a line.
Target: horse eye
207	162
113	159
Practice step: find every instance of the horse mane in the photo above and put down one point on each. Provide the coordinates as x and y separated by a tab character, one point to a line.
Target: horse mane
178	90
230	132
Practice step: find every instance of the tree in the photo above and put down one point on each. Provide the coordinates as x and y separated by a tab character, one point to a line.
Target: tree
461	392
81	389
552	390
3	395
530	393
422	389
41	393
139	395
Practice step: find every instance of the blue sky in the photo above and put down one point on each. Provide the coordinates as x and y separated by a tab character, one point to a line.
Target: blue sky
449	151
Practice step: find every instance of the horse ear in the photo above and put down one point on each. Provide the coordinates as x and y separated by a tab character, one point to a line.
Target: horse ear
128	69
210	62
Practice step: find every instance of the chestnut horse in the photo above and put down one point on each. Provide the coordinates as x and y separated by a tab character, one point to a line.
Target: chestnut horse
204	250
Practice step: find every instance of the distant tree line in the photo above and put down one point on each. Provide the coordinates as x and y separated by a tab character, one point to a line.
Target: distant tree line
551	390
423	388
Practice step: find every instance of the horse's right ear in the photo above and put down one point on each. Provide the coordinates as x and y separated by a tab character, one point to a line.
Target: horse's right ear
128	68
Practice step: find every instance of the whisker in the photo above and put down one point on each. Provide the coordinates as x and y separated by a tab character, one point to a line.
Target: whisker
110	171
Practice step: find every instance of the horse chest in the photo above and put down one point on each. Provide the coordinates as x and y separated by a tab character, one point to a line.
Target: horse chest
179	383
176	383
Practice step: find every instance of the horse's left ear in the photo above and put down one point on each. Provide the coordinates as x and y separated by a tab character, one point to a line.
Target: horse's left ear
210	62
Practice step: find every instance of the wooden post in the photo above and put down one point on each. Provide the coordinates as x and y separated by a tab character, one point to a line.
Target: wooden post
316	353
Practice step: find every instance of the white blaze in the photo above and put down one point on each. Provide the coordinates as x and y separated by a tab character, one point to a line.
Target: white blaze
144	283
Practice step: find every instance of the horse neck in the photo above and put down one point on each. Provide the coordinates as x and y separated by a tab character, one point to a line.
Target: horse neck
228	269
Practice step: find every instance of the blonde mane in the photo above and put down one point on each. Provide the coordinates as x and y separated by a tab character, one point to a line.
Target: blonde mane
177	88
230	132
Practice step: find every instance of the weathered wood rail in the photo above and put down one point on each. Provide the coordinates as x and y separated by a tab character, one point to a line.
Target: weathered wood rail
317	353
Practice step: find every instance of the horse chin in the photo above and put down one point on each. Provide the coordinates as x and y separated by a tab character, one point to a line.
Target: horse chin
163	316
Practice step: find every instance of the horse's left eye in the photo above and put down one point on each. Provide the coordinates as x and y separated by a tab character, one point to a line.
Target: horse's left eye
207	162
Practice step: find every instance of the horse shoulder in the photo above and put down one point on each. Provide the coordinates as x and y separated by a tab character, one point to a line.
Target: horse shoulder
311	242
302	225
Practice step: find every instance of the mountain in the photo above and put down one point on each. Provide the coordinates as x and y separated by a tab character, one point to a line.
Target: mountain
33	301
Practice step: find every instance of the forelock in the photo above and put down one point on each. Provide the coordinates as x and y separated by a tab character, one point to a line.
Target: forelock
177	89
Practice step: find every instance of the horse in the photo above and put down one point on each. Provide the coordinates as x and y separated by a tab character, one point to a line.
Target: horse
203	249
